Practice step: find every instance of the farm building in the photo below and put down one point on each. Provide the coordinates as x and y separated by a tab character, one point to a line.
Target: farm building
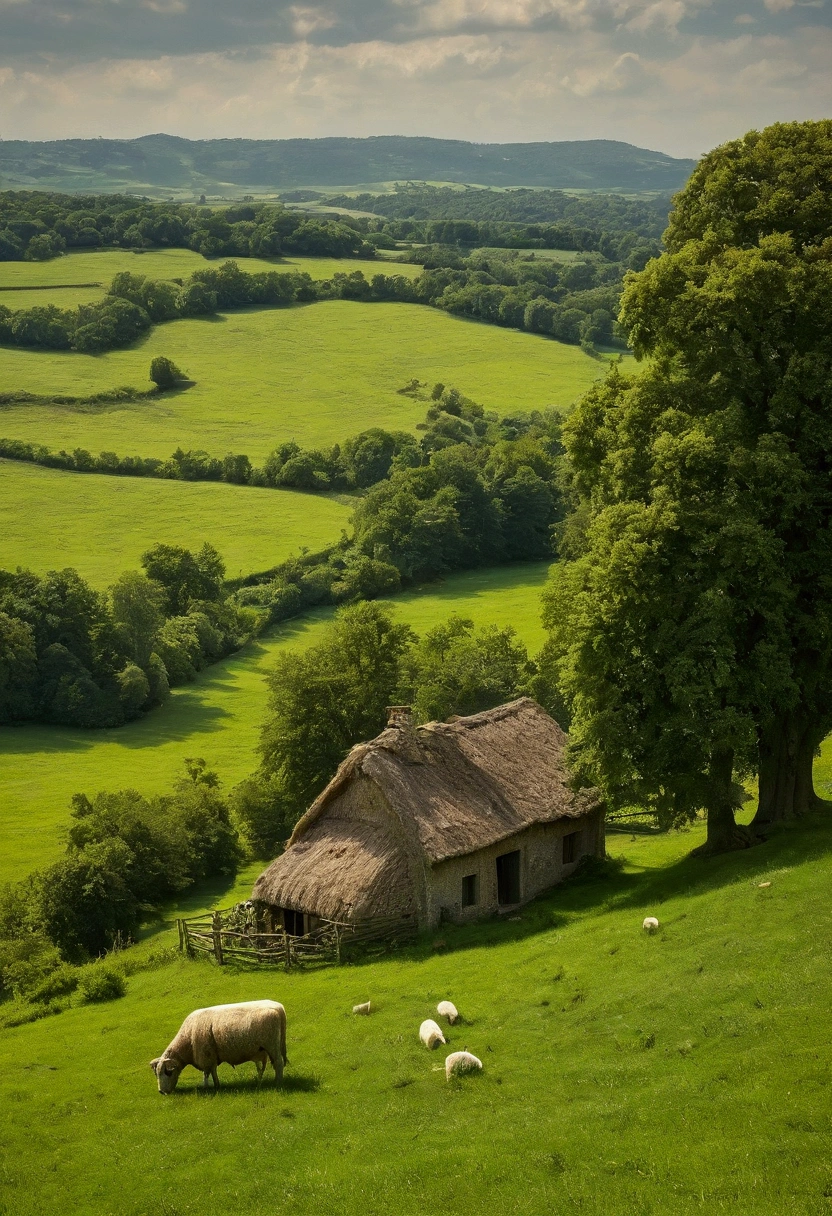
453	819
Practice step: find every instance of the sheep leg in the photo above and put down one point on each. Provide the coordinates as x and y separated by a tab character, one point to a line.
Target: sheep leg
212	1073
277	1065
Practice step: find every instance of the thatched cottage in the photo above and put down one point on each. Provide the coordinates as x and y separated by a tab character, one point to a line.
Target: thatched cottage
453	819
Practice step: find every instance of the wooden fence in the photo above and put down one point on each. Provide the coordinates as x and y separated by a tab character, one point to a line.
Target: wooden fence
230	936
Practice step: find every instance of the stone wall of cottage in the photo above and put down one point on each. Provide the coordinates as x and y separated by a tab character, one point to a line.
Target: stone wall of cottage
541	867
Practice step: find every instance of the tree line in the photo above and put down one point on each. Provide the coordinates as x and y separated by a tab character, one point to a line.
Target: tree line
418	205
37	226
74	656
574	302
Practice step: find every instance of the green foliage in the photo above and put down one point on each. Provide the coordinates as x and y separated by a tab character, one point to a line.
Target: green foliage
456	669
102	983
334	695
164	373
692	631
185	576
71	655
125	854
266	813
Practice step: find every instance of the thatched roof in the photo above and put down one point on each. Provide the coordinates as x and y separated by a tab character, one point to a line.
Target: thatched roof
451	787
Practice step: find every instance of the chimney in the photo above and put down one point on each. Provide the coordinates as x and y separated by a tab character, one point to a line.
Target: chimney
400	715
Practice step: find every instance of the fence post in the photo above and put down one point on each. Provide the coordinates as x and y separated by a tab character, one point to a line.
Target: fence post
216	924
338	945
179	927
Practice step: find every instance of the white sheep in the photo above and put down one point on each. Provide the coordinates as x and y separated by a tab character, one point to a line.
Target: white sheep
650	924
446	1009
365	1008
431	1034
460	1062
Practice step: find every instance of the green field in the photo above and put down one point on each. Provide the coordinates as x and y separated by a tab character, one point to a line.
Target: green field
101	525
317	374
81	278
218	716
624	1074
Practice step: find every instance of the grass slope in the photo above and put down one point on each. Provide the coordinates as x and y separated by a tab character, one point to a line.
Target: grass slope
625	1074
218	717
51	282
101	525
317	374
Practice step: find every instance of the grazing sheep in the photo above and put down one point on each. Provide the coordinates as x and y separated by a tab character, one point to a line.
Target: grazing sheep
446	1009
431	1034
365	1008
460	1062
225	1034
650	924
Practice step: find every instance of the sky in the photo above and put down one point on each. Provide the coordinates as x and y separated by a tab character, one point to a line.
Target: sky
676	75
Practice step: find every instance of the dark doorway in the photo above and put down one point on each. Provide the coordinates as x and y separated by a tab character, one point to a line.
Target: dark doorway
508	878
293	922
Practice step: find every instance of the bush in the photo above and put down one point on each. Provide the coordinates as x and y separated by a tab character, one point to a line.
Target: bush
164	373
102	983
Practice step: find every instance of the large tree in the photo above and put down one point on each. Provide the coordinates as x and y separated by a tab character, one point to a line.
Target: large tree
693	632
741	307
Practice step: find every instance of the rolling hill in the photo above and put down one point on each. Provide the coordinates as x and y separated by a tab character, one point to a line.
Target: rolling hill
161	163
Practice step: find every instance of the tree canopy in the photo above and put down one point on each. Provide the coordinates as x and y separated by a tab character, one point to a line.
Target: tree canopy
691	631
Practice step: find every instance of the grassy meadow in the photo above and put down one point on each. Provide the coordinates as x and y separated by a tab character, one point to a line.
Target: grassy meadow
217	717
82	277
624	1074
101	525
316	374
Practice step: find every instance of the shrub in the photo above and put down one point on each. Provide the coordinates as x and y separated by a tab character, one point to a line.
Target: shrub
164	373
102	983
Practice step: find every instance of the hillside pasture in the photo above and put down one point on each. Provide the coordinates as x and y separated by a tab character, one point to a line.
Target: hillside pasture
217	717
625	1074
316	374
52	282
101	525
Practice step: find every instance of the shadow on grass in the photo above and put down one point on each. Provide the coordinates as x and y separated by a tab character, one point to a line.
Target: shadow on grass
293	1083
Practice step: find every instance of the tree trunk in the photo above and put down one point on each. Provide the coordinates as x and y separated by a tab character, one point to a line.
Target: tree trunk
724	833
805	798
778	748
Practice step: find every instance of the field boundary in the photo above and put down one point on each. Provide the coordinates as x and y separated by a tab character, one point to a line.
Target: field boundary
239	934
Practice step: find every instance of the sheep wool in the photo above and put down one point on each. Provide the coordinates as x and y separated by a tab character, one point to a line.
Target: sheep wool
431	1034
650	924
446	1009
460	1062
365	1008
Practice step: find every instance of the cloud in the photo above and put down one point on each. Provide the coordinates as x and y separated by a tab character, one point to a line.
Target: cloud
678	75
625	76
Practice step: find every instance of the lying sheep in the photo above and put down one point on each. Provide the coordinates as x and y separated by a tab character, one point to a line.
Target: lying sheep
225	1034
650	924
460	1062
365	1008
446	1009
431	1034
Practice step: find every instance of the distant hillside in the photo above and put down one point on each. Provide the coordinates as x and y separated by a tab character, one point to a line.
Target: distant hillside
157	164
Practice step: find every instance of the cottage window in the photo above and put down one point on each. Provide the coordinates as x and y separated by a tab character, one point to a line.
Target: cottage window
571	845
469	891
508	878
